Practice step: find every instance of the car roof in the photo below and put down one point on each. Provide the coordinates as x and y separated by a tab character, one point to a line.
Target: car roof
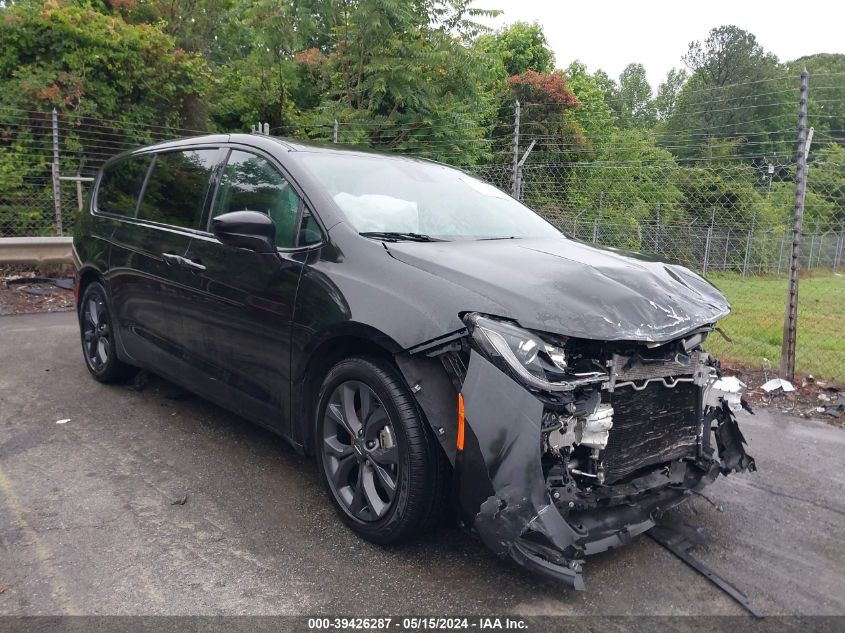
261	140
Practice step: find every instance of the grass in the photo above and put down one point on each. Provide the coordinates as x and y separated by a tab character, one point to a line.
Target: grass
756	323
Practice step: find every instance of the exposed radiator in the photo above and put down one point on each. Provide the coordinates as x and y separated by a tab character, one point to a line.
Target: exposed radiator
651	426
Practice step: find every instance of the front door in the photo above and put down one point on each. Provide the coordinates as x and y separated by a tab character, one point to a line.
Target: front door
238	327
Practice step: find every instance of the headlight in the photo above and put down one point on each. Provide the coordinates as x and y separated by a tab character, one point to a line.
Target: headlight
535	362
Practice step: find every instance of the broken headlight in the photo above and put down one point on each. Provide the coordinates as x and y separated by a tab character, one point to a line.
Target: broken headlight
536	362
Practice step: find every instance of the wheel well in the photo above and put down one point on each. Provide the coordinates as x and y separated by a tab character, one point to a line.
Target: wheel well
86	277
324	357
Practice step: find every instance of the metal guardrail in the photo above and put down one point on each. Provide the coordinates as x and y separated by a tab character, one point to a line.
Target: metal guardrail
36	250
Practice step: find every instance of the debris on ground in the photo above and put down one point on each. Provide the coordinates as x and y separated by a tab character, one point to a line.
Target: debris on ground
777	383
806	396
5	588
63	421
180	501
139	382
25	292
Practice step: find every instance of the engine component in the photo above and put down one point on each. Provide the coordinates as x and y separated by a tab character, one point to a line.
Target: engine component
594	430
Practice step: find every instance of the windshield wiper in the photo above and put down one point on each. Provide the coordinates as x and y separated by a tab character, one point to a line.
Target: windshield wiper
397	236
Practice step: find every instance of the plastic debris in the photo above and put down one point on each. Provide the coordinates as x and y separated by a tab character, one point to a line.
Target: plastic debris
63	421
777	383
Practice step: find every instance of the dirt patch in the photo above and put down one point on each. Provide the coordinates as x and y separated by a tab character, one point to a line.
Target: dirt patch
28	291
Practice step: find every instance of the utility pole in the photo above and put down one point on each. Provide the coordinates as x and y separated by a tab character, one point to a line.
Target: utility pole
790	322
515	174
57	183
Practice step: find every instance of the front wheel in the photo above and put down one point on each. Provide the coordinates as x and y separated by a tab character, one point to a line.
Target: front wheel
378	460
96	327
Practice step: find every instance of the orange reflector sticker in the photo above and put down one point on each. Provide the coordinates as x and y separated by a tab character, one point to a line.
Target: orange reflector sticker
460	442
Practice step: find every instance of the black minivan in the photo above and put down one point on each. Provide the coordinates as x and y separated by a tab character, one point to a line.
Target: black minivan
432	341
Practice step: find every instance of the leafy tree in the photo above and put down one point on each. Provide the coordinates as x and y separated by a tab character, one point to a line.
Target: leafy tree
667	93
545	98
827	180
633	101
89	66
593	119
729	70
521	47
625	183
827	93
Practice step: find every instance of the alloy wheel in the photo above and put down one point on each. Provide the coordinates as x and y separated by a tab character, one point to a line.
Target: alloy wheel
96	333
360	453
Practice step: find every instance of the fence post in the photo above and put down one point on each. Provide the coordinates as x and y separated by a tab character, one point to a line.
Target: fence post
515	175
787	356
837	257
334	131
79	201
657	231
812	246
780	254
707	249
707	244
837	252
57	183
595	229
727	248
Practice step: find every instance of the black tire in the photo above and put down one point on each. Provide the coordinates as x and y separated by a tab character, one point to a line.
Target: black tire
421	469
96	330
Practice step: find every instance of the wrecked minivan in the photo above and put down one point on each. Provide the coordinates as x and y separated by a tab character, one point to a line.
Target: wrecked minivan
428	338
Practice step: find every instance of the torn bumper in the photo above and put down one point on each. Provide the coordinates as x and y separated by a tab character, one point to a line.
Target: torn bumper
508	492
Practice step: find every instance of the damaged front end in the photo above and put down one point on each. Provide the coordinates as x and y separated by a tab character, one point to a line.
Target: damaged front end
569	447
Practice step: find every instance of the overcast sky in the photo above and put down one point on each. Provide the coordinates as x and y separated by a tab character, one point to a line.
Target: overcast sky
610	34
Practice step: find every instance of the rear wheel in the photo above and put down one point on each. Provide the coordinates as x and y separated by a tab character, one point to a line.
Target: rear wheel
96	328
378	460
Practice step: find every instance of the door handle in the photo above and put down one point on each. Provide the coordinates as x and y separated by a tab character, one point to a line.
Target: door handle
183	262
170	259
190	264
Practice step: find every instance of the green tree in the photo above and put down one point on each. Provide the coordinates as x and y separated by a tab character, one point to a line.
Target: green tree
827	94
721	99
520	47
633	103
624	185
593	119
89	66
667	93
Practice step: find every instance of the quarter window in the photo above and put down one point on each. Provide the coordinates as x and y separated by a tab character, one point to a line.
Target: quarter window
177	187
120	185
251	183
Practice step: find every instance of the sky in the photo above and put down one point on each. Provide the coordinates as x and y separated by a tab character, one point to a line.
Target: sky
610	34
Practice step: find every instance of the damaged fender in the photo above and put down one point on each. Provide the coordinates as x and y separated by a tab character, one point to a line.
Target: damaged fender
503	429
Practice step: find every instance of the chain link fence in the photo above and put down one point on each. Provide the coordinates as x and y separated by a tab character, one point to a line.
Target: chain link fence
729	216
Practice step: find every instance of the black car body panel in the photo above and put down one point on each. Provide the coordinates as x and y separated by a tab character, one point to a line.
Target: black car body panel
574	289
537	473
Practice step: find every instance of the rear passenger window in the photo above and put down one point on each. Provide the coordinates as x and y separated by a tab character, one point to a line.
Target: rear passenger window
120	185
176	189
250	183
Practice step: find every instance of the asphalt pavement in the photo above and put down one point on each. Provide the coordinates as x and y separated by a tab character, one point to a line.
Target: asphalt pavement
152	501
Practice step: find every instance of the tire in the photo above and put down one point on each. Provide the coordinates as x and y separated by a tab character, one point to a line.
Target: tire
96	330
356	470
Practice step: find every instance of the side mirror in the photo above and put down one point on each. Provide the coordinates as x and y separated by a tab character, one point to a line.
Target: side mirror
246	229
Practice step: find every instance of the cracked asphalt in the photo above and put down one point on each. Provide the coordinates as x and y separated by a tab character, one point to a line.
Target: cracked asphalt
88	523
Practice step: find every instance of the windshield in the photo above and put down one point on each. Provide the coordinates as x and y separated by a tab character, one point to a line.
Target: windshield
391	195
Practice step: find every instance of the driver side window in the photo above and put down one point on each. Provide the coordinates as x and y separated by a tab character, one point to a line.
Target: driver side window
251	183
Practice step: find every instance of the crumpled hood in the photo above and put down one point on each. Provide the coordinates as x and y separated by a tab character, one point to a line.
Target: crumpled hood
571	288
